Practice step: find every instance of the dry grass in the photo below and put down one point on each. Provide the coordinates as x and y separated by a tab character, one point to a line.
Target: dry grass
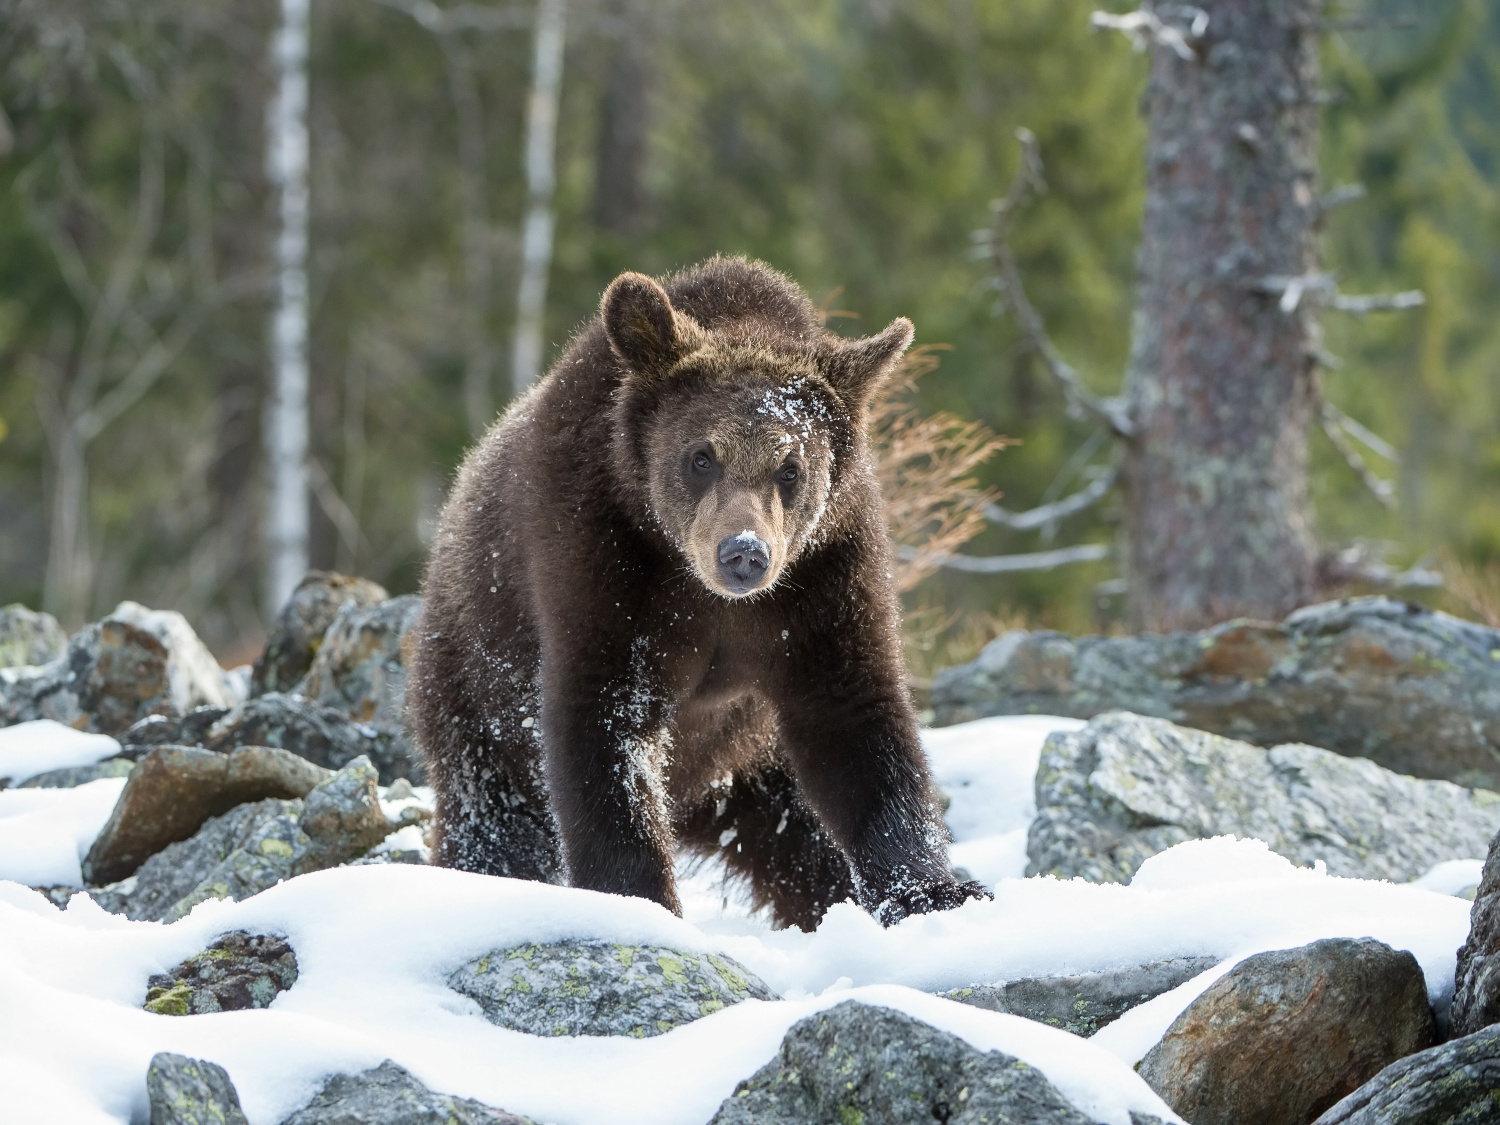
1478	588
933	504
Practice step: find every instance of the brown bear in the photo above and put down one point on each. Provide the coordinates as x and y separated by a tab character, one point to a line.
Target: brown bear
659	612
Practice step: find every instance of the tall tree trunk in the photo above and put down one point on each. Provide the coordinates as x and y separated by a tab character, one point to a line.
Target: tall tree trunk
536	232
624	117
286	428
1221	384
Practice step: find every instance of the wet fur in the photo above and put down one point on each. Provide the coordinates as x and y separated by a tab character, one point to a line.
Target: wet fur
586	702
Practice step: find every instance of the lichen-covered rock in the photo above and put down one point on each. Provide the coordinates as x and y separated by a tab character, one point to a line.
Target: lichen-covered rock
1412	690
1455	1084
859	1064
240	970
601	988
388	1095
71	777
173	789
1126	787
186	729
360	667
1284	1035
184	1091
1476	991
135	662
320	734
301	624
1086	1002
251	848
28	637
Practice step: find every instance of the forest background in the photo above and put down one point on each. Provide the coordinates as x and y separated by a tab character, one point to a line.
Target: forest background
855	144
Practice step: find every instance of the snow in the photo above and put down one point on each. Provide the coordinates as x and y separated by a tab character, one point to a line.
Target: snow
374	944
45	833
28	749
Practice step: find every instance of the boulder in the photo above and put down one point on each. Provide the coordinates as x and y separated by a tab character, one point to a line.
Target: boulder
299	627
71	777
360	667
1454	1084
320	734
253	847
388	1095
1415	691
1284	1035
601	988
135	662
1126	787
184	1091
1086	1002
173	789
1476	991
28	637
170	730
238	971
857	1063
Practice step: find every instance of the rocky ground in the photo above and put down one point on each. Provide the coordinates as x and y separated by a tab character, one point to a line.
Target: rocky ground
1201	963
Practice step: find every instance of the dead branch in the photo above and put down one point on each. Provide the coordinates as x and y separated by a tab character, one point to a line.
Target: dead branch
1357	565
1378	302
1108	412
462	17
1331	419
1371	440
1340	196
1058	510
1323	288
1005	564
1145	27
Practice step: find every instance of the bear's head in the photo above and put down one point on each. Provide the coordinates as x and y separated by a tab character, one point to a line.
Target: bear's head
739	440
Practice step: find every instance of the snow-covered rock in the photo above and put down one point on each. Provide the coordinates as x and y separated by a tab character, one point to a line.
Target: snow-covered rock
42	745
388	1095
237	972
602	988
1126	787
1318	1021
184	1091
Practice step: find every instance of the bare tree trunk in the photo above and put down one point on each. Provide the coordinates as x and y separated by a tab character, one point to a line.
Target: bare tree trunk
536	233
624	116
1222	385
286	430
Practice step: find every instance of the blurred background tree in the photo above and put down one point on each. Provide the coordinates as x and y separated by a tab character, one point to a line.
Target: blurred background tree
855	144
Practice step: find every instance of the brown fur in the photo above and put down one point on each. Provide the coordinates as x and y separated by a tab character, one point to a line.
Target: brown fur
593	687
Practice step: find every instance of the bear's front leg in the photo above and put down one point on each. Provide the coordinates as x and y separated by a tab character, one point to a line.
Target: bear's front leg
850	735
606	735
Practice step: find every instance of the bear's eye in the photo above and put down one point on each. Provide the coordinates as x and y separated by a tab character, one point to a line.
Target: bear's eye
702	461
787	475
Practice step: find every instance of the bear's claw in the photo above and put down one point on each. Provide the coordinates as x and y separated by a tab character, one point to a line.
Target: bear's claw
927	899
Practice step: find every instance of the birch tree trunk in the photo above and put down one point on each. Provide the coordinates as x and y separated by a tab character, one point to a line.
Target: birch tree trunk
536	233
286	428
1221	385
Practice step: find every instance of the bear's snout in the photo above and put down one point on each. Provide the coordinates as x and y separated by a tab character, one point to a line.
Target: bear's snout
744	560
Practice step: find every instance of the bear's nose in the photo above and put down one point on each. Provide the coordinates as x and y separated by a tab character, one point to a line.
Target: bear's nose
743	560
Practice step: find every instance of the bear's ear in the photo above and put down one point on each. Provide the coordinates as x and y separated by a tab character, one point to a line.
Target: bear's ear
646	332
857	369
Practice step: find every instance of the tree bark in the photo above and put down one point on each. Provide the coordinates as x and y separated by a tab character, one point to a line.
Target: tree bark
624	117
1222	384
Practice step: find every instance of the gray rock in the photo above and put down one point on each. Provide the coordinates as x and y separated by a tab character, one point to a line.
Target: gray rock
184	1091
238	971
1476	991
251	848
28	637
1415	691
600	988
135	662
301	624
71	777
1454	1084
859	1064
173	789
388	1095
169	730
1126	787
360	667
320	734
1086	1002
1284	1035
